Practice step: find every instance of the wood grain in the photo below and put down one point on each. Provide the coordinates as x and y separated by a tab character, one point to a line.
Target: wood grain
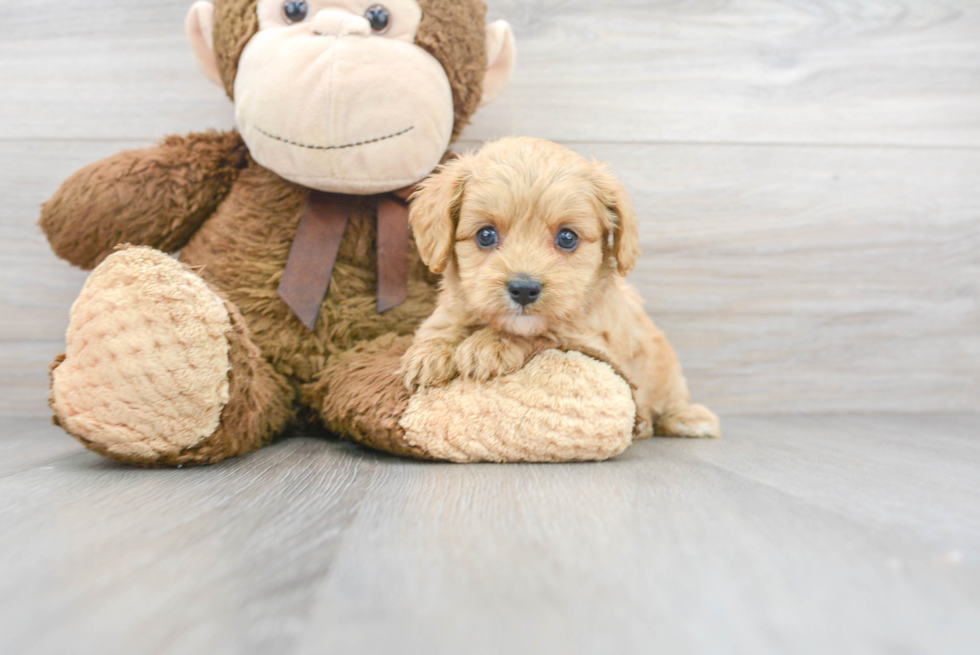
29	442
219	559
739	71
742	71
805	174
811	279
686	547
789	278
792	534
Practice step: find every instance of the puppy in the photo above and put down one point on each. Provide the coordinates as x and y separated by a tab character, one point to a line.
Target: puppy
533	242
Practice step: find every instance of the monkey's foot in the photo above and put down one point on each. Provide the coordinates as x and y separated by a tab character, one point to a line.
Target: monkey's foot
146	372
693	421
562	406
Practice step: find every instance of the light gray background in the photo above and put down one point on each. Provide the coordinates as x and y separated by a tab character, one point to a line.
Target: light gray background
806	173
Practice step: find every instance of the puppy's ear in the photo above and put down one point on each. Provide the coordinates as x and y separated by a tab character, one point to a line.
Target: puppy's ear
625	226
435	211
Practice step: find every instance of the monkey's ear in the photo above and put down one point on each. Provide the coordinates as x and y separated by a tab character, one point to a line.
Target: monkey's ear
434	212
625	226
200	32
501	57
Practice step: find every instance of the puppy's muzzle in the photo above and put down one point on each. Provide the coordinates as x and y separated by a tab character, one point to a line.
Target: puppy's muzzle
524	290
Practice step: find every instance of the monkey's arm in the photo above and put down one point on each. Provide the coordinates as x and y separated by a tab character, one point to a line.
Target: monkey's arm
154	197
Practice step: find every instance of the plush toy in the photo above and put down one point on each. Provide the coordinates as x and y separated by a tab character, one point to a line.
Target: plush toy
298	287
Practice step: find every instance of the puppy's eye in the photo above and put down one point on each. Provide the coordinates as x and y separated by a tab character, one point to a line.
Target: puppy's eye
379	18
567	240
487	238
295	12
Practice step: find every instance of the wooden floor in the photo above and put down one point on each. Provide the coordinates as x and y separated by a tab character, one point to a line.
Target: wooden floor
822	535
806	174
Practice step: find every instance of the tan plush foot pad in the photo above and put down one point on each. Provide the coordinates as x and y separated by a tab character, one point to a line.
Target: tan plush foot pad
560	407
146	366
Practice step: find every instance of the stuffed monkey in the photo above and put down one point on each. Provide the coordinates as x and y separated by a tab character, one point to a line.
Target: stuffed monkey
298	286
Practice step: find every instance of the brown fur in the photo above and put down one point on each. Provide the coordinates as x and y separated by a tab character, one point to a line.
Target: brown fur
156	196
235	23
369	370
259	406
453	32
242	251
234	222
529	190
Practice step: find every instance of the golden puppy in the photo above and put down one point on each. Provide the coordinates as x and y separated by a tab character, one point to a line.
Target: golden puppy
534	241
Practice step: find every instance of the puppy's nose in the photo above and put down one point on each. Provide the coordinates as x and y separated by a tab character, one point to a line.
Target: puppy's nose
524	290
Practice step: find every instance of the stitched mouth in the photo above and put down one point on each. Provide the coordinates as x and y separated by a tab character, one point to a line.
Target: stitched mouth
342	147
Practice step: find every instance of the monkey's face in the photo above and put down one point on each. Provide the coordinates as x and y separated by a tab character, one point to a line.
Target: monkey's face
335	95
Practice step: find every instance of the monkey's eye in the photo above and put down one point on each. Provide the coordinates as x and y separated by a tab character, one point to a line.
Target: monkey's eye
567	240
295	12
487	238
379	18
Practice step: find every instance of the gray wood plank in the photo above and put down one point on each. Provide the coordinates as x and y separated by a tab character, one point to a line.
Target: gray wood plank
792	534
813	279
789	278
102	558
670	549
744	71
29	442
37	288
24	377
835	71
892	473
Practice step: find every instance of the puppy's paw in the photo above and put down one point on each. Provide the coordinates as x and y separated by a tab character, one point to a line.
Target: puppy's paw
487	354
693	421
644	429
428	364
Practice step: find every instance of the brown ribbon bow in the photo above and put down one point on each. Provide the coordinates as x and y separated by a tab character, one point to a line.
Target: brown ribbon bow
314	251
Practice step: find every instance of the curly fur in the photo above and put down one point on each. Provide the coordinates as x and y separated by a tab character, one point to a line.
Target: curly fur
529	190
